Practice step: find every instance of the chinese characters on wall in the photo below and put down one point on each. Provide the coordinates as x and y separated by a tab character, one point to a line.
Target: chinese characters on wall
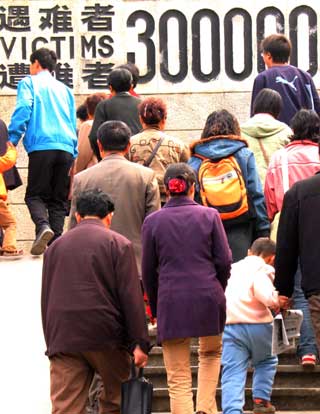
179	46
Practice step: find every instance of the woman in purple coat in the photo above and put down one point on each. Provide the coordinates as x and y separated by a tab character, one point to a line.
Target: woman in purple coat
185	267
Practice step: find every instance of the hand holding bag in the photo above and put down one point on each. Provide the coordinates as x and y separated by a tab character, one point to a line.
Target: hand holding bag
136	394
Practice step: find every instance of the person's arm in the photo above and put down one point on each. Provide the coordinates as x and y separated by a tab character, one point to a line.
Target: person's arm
264	290
195	164
269	194
76	189
185	154
258	85
8	160
73	120
22	113
85	151
287	252
99	118
256	196
150	266
221	252
152	195
130	296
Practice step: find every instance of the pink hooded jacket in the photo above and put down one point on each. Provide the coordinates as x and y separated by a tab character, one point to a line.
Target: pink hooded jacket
303	162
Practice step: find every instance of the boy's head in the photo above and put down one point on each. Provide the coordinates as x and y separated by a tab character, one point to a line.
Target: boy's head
265	248
276	49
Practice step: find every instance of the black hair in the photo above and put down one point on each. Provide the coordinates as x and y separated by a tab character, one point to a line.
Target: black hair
221	123
279	47
134	70
268	101
47	58
180	171
114	135
263	246
305	125
94	202
82	112
120	79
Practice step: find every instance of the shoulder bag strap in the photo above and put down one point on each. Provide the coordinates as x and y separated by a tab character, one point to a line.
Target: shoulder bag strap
153	154
264	152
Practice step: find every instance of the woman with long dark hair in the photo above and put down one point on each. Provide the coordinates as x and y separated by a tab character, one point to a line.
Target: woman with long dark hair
221	140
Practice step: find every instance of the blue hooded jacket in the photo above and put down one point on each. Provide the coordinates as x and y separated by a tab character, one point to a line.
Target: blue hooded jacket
219	147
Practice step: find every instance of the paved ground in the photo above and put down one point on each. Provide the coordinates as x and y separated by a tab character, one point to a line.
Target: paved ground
24	369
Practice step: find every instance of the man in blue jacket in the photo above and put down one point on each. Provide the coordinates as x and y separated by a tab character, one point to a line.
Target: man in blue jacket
45	116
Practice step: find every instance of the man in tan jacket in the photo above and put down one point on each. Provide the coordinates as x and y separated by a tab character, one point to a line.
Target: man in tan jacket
133	188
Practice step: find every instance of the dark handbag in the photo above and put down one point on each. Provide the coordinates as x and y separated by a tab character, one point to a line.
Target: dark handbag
12	178
136	394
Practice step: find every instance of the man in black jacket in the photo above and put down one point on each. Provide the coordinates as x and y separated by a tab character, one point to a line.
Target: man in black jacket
92	309
120	107
298	241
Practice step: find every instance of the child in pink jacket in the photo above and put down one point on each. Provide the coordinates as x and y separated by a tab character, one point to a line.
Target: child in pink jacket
248	333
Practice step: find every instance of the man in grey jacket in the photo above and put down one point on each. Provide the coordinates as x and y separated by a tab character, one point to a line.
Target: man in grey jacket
133	188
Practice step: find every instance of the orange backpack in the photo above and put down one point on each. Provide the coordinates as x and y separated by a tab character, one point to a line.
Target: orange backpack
222	186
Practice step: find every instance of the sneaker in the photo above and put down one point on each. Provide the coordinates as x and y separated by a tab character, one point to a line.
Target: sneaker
41	241
261	406
309	360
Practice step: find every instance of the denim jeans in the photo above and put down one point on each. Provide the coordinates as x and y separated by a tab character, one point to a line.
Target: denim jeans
314	305
242	344
307	340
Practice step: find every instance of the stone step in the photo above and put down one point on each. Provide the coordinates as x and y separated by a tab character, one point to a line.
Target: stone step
306	399
156	358
294	376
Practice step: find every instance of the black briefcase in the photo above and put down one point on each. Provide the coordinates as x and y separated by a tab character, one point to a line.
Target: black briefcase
136	394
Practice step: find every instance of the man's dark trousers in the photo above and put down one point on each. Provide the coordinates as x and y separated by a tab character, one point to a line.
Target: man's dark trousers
48	188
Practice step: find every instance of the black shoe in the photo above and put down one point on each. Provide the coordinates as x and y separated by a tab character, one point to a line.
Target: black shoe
41	241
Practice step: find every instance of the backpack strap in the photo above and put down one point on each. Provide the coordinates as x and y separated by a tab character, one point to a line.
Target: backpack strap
153	153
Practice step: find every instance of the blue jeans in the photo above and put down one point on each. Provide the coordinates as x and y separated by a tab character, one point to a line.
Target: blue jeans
307	340
243	343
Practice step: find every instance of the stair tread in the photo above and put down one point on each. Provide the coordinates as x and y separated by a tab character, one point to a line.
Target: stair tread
275	390
280	368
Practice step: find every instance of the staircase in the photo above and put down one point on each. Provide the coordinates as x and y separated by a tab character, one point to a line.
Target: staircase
296	389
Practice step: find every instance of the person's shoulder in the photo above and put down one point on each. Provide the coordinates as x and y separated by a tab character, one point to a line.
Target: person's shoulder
139	169
118	238
134	139
307	184
174	140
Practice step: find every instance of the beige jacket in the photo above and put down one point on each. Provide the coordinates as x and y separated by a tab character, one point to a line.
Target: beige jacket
171	150
133	188
85	158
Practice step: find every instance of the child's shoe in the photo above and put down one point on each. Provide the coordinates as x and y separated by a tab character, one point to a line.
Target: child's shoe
261	406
